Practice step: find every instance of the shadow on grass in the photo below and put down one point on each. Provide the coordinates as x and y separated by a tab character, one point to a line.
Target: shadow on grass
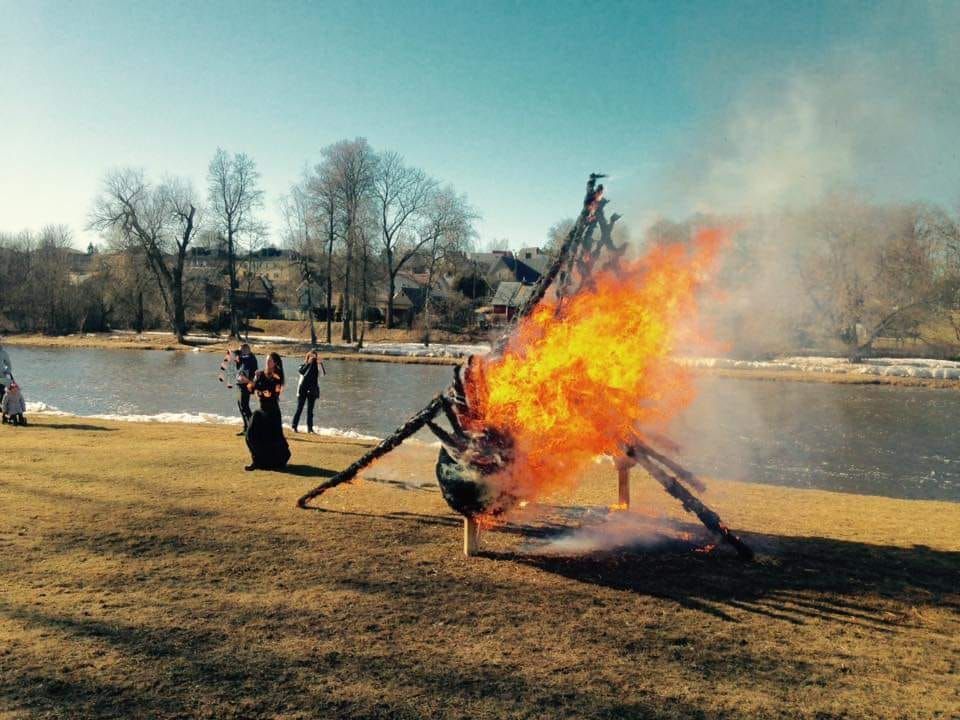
541	531
306	471
72	426
174	671
793	579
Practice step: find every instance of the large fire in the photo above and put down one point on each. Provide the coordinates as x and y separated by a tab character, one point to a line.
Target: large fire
582	374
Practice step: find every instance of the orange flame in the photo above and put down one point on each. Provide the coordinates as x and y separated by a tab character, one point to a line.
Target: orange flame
577	381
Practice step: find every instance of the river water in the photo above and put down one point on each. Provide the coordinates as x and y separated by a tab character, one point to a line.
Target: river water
868	439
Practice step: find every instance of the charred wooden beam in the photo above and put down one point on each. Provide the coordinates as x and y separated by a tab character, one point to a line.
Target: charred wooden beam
458	391
410	427
690	503
456	443
451	414
681	472
567	251
660	440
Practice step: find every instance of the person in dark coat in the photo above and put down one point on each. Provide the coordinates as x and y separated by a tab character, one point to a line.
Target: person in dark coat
246	370
308	389
268	447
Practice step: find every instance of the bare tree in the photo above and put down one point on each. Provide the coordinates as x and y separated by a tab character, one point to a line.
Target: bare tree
185	222
350	165
132	294
53	297
161	221
447	228
301	239
558	233
234	200
874	271
367	232
401	194
322	192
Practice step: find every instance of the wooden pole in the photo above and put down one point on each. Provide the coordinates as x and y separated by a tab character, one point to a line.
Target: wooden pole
623	485
410	427
471	536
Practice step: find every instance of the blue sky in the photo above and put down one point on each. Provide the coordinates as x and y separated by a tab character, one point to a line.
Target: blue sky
511	102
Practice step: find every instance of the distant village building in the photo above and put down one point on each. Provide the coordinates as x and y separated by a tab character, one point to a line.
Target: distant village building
511	277
509	297
410	296
253	299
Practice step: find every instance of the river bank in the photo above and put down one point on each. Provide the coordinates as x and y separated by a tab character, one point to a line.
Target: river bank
169	583
899	372
437	354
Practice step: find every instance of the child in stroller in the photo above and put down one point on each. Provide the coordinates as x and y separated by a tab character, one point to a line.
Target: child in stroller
13	406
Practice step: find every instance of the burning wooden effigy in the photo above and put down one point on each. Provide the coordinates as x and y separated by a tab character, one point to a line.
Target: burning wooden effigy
583	371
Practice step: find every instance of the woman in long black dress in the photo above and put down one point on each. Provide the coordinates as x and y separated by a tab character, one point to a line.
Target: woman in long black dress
268	447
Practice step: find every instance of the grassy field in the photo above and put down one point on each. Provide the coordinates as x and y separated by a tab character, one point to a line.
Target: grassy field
144	574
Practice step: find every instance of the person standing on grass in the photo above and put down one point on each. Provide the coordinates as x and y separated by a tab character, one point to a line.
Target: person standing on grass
246	371
308	388
268	447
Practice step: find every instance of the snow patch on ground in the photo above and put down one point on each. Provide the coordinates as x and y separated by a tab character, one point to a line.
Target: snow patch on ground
42	408
887	367
419	350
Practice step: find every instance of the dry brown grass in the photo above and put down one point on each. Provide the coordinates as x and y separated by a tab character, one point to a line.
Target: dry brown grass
144	574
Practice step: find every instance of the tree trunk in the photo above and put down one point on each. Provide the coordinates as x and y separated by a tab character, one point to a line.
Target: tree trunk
139	319
426	301
231	291
363	299
391	288
313	330
345	335
179	315
330	282
426	309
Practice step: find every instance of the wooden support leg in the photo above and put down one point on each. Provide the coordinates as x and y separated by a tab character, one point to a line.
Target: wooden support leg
471	536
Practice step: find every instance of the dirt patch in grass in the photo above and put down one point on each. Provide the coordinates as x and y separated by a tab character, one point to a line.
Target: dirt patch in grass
144	574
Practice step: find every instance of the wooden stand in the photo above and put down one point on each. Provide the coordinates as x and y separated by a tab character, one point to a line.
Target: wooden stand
471	536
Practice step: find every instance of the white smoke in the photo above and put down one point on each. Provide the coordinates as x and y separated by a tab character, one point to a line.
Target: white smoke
601	531
880	118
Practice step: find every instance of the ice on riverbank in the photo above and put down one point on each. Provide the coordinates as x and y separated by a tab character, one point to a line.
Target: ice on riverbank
887	367
182	418
441	350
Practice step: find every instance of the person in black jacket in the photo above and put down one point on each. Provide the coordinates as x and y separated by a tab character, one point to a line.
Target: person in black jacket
246	371
308	389
268	448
